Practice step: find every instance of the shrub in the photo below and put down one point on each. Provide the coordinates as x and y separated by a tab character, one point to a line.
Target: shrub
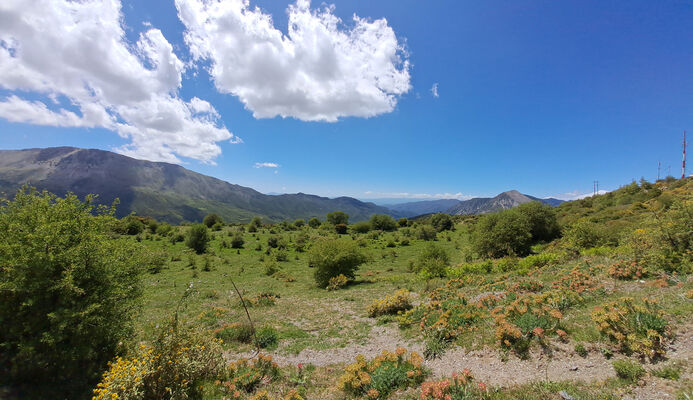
266	337
459	387
377	378
628	370
543	225
334	257
173	367
426	232
581	350
538	261
133	225
236	332
441	222
314	223
483	267
627	270
392	304
383	222
432	261
361	227
402	222
237	241
635	328
340	229
212	219
246	375
164	229
198	238
584	235
671	372
337	282
299	223
526	318
271	267
338	217
68	293
505	233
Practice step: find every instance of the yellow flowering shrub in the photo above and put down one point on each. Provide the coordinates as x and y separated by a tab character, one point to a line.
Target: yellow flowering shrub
392	304
635	327
337	282
377	378
525	318
172	367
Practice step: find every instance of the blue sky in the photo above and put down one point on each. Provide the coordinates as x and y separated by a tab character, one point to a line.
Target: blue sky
540	96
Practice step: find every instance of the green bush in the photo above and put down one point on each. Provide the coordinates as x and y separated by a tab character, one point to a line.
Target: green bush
543	224
538	260
68	293
340	229
236	332
426	232
441	222
334	257
670	372
584	235
432	261
483	267
361	227
266	337
164	229
505	233
628	370
383	222
237	241
299	223
133	225
402	222
212	219
338	217
314	223
198	238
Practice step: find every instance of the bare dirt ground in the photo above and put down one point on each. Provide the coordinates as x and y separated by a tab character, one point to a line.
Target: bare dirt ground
559	363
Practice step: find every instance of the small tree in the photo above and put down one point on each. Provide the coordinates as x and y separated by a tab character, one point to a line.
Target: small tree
340	229
237	241
441	222
334	257
338	217
361	227
198	238
314	223
212	219
68	293
299	223
255	224
543	224
402	222
505	233
383	222
432	261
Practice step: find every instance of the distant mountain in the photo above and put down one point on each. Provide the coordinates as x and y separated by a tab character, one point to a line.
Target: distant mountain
415	208
167	192
503	201
479	205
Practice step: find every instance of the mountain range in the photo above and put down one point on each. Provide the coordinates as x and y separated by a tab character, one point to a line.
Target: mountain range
171	193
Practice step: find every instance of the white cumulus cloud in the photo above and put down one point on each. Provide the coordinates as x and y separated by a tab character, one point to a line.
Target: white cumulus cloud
266	165
417	196
77	50
576	195
434	90
320	70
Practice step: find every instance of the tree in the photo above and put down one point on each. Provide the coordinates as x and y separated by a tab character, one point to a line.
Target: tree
314	222
255	224
383	222
432	261
212	219
402	222
237	241
504	233
441	222
334	257
543	224
299	223
68	293
361	227
198	238
338	217
340	229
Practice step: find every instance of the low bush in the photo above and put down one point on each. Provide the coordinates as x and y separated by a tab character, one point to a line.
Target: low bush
639	328
426	232
173	367
627	270
334	257
460	386
483	267
538	260
241	332
266	337
198	238
337	282
432	261
379	377
361	227
237	241
670	372
246	375
628	370
397	302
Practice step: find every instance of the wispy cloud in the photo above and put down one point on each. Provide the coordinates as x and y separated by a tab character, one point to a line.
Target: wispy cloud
419	196
576	195
266	165
434	90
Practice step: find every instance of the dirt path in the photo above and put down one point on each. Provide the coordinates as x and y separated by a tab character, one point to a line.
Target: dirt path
488	366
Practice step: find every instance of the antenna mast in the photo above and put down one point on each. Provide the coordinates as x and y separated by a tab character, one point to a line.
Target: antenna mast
683	166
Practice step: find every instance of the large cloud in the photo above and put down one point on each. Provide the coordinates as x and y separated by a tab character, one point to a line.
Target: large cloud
77	51
319	71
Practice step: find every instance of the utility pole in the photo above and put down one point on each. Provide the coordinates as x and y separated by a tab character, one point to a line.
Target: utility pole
683	165
659	167
595	188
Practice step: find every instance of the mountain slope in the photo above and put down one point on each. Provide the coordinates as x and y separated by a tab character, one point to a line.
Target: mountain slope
503	201
164	191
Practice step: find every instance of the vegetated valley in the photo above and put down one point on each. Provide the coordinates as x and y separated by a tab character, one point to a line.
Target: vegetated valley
592	299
